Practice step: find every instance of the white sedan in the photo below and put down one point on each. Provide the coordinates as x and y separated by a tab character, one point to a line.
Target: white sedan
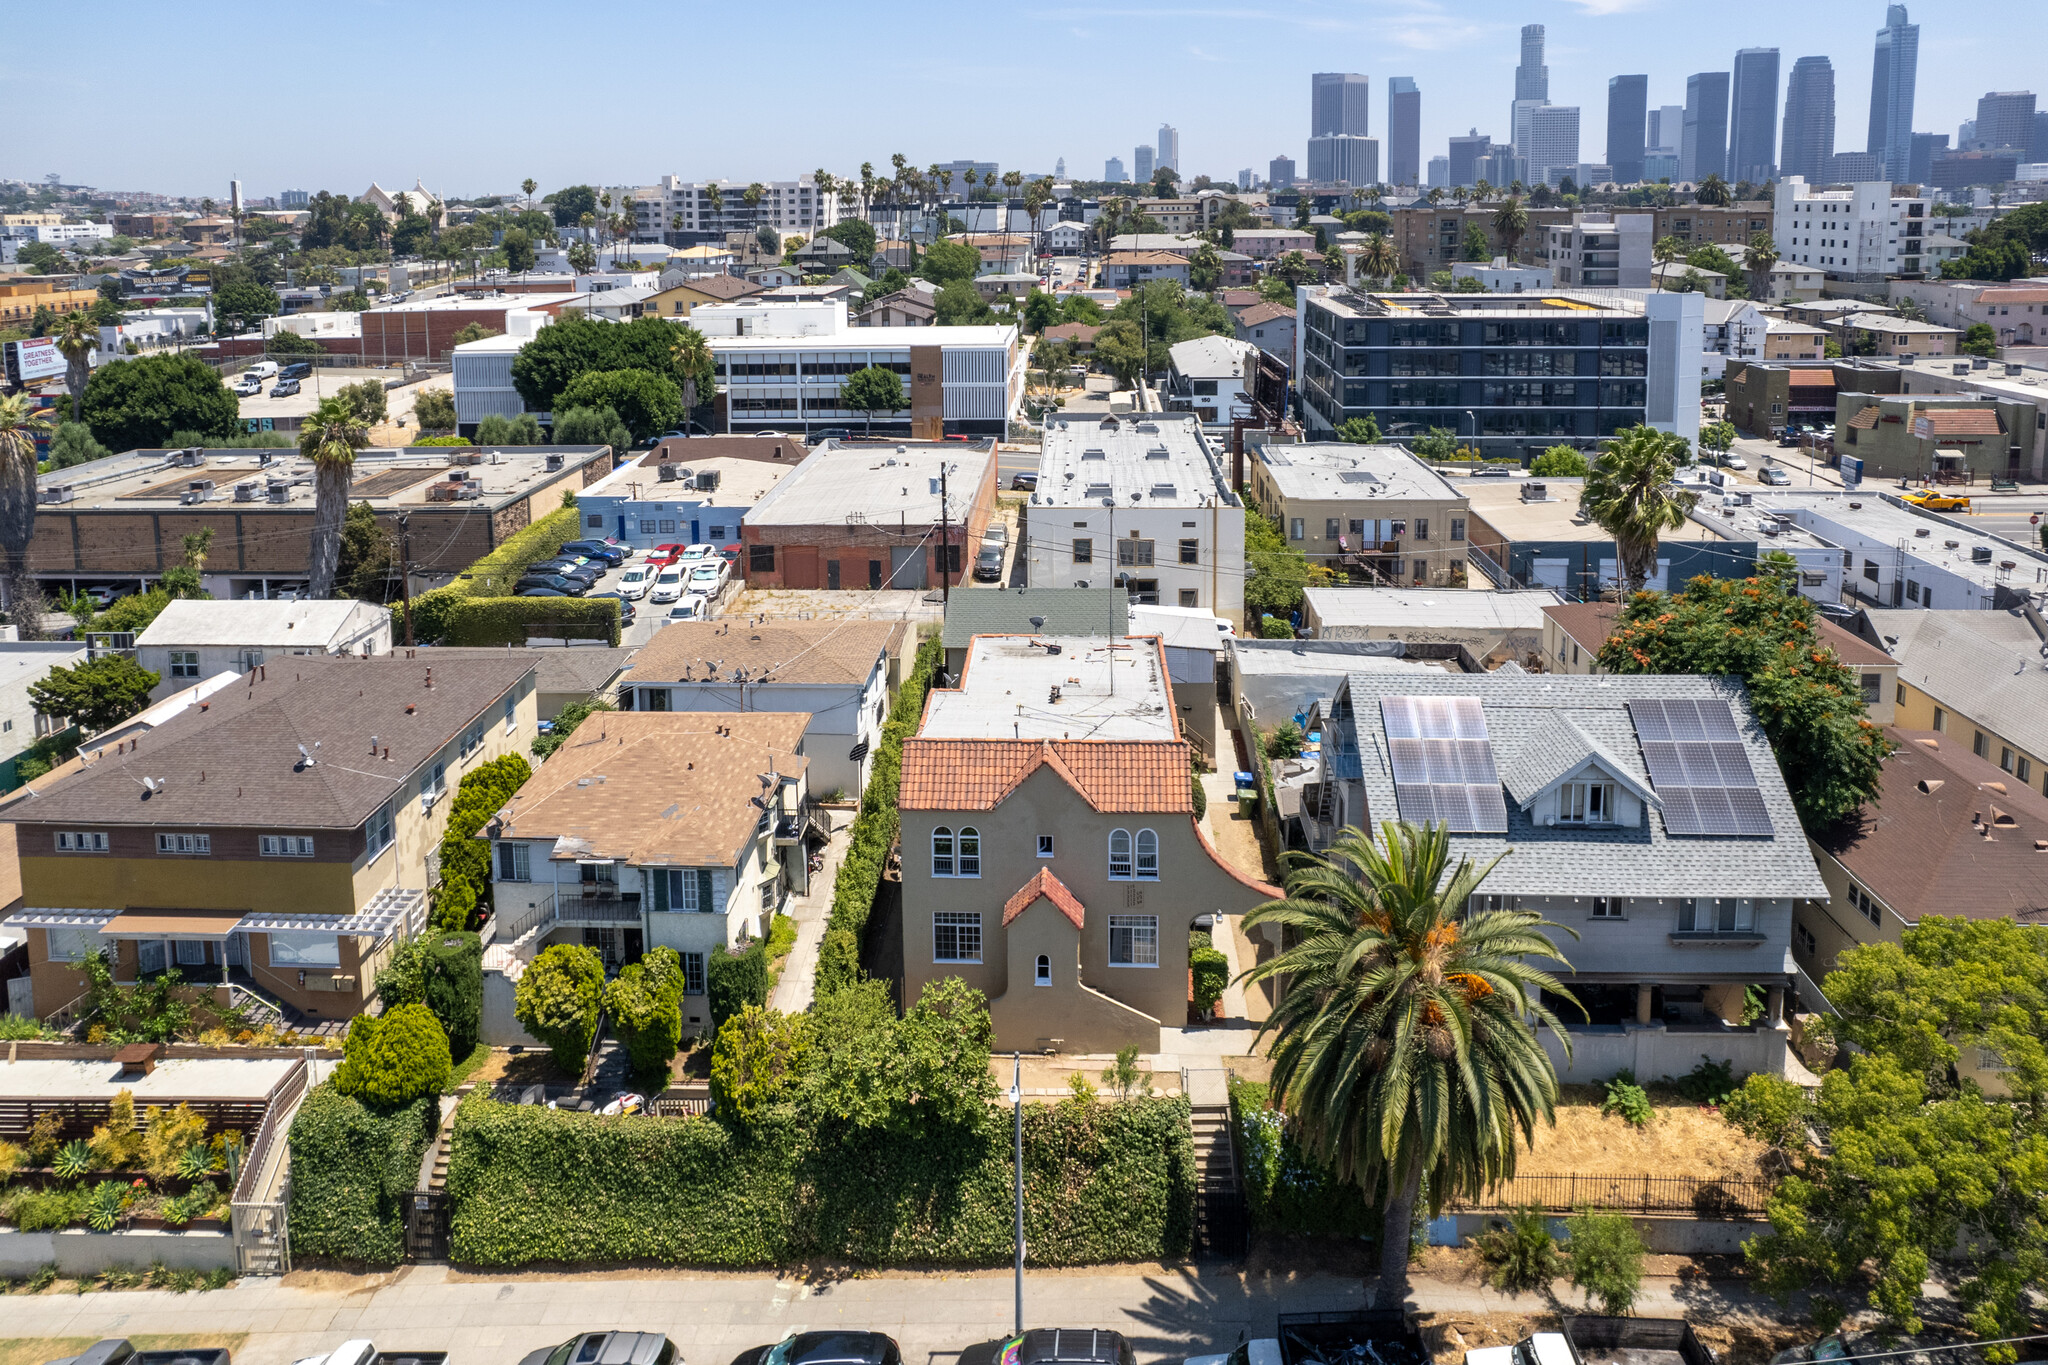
710	577
694	607
634	582
668	585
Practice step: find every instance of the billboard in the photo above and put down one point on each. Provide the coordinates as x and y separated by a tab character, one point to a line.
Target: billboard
1852	471
34	359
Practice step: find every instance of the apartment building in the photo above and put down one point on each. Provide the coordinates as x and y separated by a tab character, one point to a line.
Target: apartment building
686	212
195	639
1373	512
1139	503
1978	678
1610	250
1863	233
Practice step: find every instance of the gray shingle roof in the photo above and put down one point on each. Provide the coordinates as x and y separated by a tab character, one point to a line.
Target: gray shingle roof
1523	717
1986	666
1550	749
1067	611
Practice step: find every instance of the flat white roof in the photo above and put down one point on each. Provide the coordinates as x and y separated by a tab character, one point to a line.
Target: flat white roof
1156	460
1393	608
1006	691
1344	472
883	484
185	1078
1182	627
455	302
740	482
243	623
871	339
1933	538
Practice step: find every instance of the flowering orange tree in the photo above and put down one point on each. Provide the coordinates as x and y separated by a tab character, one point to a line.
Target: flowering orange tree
1808	701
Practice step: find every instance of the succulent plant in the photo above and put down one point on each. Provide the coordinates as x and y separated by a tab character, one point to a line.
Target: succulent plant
74	1159
195	1161
103	1207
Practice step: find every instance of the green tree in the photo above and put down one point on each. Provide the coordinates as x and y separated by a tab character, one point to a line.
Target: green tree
1041	310
394	1059
949	263
474	331
517	245
1717	437
245	303
645	1003
1980	340
695	371
367	565
585	427
1437	444
1475	246
960	304
582	258
1120	347
1808	702
1510	223
1401	1048
856	235
1628	494
77	338
354	301
557	1000
19	428
95	694
73	445
134	404
367	399
330	438
915	1077
1606	1256
756	1060
434	410
1758	259
1205	267
570	203
1378	257
566	721
647	403
1292	268
1713	190
1363	431
1559	462
1279	571
1665	251
872	390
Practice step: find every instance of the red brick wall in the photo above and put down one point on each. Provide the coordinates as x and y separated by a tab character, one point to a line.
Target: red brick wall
855	546
399	334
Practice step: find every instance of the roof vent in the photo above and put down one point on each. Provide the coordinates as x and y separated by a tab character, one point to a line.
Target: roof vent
1922	531
1929	785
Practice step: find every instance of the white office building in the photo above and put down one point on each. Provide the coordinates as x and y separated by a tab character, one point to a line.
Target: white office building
678	207
1140	502
1865	232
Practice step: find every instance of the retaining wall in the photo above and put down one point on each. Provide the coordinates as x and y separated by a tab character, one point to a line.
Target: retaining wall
1651	1051
77	1251
1662	1236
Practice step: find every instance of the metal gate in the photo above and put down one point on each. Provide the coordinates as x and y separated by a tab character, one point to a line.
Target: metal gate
261	1244
906	566
426	1226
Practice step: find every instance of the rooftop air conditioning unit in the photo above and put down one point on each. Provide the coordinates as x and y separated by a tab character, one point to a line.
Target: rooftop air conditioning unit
667	472
468	491
280	493
61	492
707	480
1980	554
199	486
554	462
1535	492
245	491
191	497
466	457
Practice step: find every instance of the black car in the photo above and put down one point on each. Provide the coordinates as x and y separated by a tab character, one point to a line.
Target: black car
825	1348
573	587
1024	483
830	434
1054	1346
626	612
611	554
539	592
988	566
589	573
298	369
607	1348
284	388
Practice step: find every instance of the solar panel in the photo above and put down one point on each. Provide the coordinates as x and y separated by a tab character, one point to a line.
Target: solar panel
1694	753
1443	763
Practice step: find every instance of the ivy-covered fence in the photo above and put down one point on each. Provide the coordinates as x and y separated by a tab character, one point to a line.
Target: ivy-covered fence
1103	1183
353	1167
478	608
1285	1191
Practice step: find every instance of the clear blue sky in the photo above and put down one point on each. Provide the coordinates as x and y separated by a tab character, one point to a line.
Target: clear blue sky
474	97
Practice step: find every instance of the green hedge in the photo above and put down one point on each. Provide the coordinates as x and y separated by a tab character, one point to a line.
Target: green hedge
353	1167
492	578
1284	1190
1103	1183
494	621
736	980
874	831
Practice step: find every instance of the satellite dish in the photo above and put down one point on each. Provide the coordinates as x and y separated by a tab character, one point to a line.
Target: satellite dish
1038	623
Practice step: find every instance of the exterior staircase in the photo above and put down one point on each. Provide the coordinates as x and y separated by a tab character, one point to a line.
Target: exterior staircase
1219	1197
426	1217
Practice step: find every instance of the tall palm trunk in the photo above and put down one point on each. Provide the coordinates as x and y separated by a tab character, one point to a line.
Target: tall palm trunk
76	373
330	510
1393	1285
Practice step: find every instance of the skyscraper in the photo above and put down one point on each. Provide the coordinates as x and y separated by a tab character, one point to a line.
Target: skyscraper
1280	172
1338	157
1667	128
1145	163
2005	118
1628	99
1113	171
1926	146
1703	150
1465	155
1244	178
1553	150
1339	103
1404	130
1059	169
1753	116
1809	143
1891	92
1169	146
1532	77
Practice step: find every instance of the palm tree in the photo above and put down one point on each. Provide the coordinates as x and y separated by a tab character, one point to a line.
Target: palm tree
330	439
527	187
1482	191
1628	495
714	199
1510	221
867	187
1712	190
1667	250
1377	258
692	355
1758	260
1401	1049
19	427
77	338
1436	195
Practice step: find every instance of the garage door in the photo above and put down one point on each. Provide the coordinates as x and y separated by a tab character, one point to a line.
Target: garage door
1550	573
800	566
906	566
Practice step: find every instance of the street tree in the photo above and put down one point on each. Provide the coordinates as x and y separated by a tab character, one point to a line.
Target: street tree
139	402
872	390
330	439
77	337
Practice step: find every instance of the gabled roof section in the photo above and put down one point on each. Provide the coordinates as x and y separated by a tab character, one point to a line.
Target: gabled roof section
1553	750
1110	775
1052	889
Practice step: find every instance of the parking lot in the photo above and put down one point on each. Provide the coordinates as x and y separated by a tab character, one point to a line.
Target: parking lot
324	382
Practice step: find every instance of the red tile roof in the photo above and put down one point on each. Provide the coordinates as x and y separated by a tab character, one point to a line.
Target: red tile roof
1961	421
1054	890
1266	889
1111	775
1811	379
1865	419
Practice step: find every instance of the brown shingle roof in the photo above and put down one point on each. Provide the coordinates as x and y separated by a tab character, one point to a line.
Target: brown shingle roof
1054	890
1961	421
1081	332
1265	312
813	652
1144	258
1238	298
1590	623
688	448
234	759
1918	849
1111	775
1865	419
722	286
654	787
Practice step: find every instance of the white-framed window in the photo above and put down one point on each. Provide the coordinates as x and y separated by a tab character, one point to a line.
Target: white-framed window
377	831
305	950
472	740
1865	904
72	944
184	663
515	863
191	952
768	892
81	841
1148	855
1134	940
1718	914
184	843
683	890
944	863
1120	855
511	712
1043	974
1607	907
285	845
956	936
1586	803
693	973
1045	845
970	852
433	785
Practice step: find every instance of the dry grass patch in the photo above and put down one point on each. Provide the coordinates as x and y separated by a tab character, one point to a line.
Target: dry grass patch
1681	1139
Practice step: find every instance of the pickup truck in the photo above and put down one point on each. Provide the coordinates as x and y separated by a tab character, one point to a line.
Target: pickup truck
121	1351
1370	1336
363	1351
1593	1340
1938	502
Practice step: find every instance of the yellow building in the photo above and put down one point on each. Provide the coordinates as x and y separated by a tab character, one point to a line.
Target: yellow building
1977	677
18	302
679	300
1371	511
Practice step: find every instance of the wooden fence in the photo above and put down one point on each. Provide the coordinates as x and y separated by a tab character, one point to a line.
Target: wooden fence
1679	1196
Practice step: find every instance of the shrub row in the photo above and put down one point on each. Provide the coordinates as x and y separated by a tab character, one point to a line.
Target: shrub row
1286	1191
461	899
874	831
353	1166
492	576
1103	1183
494	621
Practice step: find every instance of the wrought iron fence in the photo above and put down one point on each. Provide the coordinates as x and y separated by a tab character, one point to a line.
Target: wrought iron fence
1674	1195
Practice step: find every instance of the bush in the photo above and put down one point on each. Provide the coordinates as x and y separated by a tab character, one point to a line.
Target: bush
755	1061
557	1001
396	1058
1606	1254
434	410
645	1004
466	859
736	980
648	404
367	398
1710	1082
591	427
1210	969
1285	742
493	575
1626	1098
1770	1109
442	441
1519	1254
1285	1190
353	1168
490	622
1559	462
455	986
1275	628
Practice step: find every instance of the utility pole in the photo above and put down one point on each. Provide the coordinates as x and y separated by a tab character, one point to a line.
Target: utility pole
945	544
405	569
1017	1112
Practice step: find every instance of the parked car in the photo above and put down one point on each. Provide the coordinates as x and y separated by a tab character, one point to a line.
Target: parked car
1851	1346
298	369
363	1351
248	386
605	550
103	596
634	582
587	573
695	606
988	565
121	1351
540	592
1730	460
1054	1346
626	612
608	1348
710	577
831	434
1024	483
284	388
997	535
693	554
263	369
730	554
825	1348
1775	477
668	585
1938	502
568	587
665	554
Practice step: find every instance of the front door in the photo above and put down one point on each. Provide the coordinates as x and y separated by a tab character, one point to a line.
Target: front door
636	946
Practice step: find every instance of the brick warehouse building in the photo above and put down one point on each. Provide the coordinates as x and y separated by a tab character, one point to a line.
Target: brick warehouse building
126	523
867	516
425	329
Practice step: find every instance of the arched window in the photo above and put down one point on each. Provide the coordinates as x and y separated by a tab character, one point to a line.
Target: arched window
1044	977
970	852
942	852
1120	854
1148	854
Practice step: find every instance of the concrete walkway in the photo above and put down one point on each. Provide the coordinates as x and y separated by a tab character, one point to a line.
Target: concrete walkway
799	979
1167	1312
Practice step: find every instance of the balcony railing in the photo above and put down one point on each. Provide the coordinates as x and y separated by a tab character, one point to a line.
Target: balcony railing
597	909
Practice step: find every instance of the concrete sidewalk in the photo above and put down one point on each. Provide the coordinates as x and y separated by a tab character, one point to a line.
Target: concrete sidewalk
1167	1312
799	979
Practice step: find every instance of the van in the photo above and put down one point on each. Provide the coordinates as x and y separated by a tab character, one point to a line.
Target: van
298	369
262	369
